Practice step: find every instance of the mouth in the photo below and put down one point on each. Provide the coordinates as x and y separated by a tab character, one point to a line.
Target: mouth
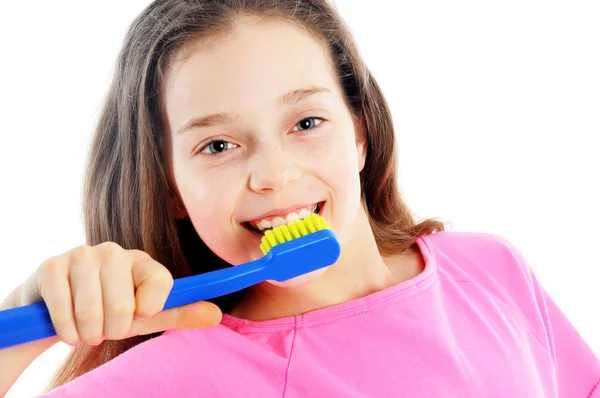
259	227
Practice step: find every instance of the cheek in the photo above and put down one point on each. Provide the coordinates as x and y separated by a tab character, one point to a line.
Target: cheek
210	197
201	190
335	162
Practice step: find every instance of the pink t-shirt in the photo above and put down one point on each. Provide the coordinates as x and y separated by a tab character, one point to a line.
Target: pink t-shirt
474	323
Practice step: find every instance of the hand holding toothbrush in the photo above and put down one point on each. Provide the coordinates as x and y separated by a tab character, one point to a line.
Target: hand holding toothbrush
96	293
106	292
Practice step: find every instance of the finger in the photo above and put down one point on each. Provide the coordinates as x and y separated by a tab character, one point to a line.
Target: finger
52	283
86	289
153	284
191	316
118	298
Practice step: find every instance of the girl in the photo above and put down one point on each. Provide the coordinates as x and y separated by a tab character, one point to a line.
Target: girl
227	117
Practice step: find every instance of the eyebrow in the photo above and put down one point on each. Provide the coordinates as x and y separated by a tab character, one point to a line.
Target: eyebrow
215	119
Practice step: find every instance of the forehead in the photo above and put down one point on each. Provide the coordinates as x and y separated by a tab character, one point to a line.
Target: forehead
247	67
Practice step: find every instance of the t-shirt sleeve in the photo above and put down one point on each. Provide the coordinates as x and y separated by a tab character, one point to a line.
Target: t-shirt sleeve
577	367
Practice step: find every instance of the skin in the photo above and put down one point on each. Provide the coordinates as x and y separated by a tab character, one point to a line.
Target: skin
273	154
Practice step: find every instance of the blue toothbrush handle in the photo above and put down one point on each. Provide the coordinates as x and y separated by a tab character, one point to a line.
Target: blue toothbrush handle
24	324
215	284
32	322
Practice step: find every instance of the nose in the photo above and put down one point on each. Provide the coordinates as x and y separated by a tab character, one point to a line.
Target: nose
272	168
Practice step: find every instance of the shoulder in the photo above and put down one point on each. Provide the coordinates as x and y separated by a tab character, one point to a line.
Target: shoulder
478	252
469	243
486	262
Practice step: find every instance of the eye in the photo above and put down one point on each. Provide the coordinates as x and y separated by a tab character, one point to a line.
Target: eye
308	123
215	147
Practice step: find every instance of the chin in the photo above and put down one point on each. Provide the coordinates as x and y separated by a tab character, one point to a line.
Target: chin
300	280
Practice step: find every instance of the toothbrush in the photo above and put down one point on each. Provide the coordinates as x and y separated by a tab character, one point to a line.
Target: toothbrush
290	250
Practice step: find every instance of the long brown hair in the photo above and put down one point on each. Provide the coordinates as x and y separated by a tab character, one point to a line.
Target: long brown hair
126	190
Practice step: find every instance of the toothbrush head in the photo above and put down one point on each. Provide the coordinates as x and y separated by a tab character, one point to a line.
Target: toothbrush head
291	231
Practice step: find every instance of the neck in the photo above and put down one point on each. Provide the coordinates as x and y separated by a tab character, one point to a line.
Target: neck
359	271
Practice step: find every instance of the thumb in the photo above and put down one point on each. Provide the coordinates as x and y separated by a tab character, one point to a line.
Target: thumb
191	316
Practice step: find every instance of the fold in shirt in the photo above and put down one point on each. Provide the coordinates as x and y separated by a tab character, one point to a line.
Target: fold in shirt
474	323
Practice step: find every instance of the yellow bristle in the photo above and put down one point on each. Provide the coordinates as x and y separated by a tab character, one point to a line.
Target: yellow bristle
270	238
301	227
318	222
313	223
278	235
294	230
286	233
323	223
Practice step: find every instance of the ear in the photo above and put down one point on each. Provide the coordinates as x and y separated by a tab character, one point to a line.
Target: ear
177	207
361	142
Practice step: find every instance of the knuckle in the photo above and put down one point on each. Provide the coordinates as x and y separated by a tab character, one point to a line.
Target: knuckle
109	247
51	267
163	277
81	257
79	252
140	254
120	308
88	313
112	254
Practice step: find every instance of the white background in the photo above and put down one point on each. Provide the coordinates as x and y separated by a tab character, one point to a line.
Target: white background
496	105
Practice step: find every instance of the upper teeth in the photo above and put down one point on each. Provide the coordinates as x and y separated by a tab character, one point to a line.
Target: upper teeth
278	221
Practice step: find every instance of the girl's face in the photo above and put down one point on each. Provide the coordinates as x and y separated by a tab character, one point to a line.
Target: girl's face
258	129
